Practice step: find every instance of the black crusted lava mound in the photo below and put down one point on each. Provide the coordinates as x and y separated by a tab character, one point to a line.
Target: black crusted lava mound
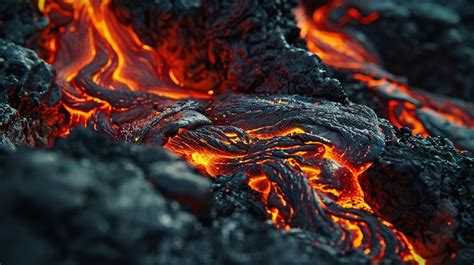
19	21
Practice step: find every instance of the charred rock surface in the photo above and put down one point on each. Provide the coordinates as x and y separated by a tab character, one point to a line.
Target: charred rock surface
354	129
235	189
424	187
176	29
258	52
29	97
249	46
89	200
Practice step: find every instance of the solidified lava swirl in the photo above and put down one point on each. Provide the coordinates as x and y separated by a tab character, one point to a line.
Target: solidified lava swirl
302	155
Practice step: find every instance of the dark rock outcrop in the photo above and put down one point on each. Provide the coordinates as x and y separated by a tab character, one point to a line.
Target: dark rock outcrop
424	187
29	97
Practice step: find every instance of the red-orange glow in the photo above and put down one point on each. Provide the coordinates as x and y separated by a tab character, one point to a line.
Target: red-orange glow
287	132
260	184
333	47
348	195
92	32
174	78
403	113
414	257
405	117
339	49
200	159
354	14
355	229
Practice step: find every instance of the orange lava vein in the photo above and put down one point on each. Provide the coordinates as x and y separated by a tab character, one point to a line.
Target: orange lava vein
340	50
91	33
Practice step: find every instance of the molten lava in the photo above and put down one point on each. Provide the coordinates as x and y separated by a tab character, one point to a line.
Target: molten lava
89	47
307	178
340	49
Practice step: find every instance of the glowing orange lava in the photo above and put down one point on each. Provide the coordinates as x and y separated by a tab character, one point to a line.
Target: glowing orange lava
342	51
349	195
92	40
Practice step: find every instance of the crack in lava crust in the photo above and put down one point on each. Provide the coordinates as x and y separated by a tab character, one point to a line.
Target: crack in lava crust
301	155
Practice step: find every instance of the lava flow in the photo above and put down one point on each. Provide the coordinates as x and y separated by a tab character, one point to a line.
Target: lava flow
305	169
403	106
108	60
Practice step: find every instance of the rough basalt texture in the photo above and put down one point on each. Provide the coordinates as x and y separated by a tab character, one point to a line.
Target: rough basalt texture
29	97
424	187
89	201
259	52
394	97
289	138
249	46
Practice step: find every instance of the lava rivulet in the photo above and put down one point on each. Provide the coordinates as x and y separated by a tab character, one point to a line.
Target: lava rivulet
343	50
98	58
304	181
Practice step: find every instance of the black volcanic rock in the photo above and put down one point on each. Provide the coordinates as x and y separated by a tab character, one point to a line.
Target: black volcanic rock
354	129
29	97
20	22
424	187
260	51
90	200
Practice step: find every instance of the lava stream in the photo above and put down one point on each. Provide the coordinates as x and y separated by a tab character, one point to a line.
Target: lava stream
339	49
